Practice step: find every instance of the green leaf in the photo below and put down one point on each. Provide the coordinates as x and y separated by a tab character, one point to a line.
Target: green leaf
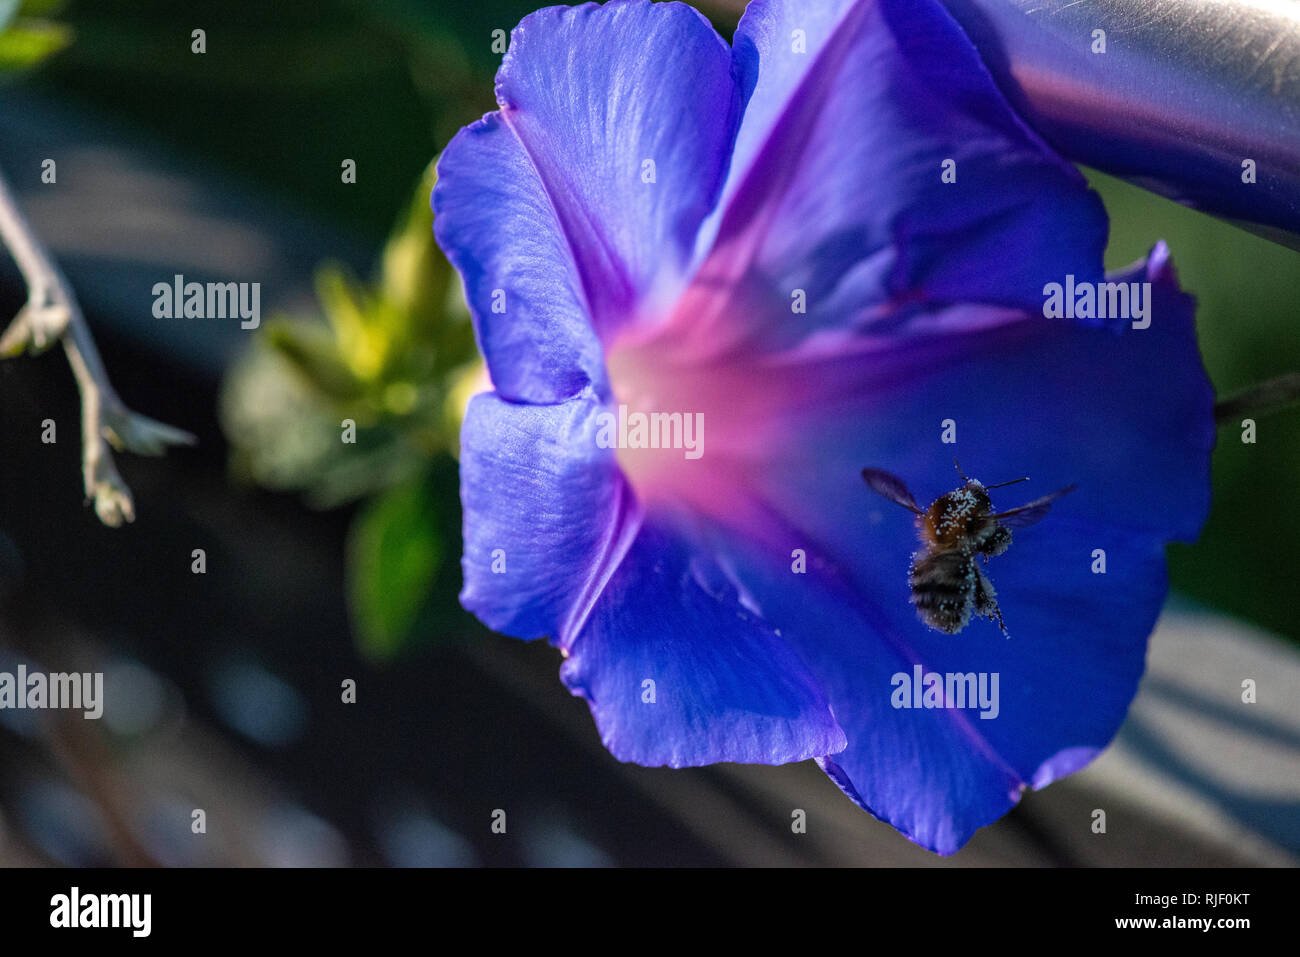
414	274
7	9
395	353
312	352
394	554
24	43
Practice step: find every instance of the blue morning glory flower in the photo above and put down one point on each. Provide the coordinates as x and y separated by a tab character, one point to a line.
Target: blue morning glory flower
714	283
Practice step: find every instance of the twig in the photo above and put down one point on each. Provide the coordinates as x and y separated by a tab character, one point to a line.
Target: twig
1260	399
52	314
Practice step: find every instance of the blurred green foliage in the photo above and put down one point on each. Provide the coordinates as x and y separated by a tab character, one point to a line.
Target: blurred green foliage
357	403
393	556
386	357
382	82
27	36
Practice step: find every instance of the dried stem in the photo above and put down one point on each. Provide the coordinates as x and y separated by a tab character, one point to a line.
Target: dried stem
52	314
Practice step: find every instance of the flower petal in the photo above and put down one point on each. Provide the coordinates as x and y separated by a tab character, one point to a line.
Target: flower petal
1065	677
497	225
726	687
545	510
1127	414
602	97
836	192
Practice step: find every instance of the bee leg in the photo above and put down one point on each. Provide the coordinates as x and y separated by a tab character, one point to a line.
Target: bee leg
998	541
986	602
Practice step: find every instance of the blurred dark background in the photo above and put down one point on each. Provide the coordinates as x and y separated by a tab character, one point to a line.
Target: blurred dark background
226	165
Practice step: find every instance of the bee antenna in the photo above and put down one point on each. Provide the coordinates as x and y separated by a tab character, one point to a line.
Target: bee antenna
959	471
1012	482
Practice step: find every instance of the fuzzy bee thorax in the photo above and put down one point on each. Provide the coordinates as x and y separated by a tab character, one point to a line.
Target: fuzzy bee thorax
960	516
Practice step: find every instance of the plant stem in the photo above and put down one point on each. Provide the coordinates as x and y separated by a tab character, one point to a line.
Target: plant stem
53	314
1272	395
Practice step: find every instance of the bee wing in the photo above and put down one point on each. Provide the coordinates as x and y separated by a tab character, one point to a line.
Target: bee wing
890	487
1030	512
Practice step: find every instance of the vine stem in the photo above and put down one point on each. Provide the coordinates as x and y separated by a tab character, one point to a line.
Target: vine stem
51	315
1272	395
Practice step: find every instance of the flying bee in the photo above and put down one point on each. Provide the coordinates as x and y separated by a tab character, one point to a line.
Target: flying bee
947	582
